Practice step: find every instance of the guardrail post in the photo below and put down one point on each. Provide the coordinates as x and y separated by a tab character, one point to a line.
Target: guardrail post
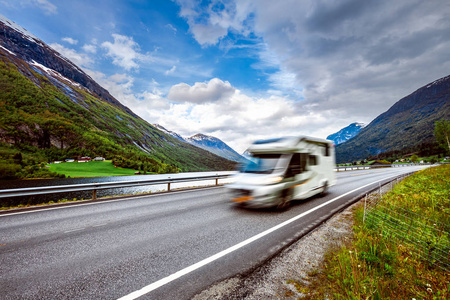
94	194
217	181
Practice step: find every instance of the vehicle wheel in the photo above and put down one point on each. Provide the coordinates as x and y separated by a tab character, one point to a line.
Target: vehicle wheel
325	189
285	200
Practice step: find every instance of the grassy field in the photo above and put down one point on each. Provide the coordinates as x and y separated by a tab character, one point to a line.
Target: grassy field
400	248
90	169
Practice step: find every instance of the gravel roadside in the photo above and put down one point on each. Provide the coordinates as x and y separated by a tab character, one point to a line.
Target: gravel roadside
275	279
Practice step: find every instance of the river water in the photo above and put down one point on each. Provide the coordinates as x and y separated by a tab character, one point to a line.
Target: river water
15	184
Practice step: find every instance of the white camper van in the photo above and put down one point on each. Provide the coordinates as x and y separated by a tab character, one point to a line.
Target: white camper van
280	170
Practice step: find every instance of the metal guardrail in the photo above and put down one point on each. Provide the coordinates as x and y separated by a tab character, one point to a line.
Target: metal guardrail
360	167
410	165
351	168
101	186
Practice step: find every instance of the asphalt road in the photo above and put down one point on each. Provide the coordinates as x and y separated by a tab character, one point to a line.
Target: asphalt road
166	246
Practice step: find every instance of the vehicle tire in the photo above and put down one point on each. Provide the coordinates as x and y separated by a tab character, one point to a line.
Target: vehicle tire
325	189
285	199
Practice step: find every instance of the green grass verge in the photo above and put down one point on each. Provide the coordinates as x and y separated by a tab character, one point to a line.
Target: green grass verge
90	169
400	251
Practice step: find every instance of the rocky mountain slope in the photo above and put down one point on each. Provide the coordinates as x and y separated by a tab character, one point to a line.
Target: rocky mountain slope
171	133
29	48
50	106
408	123
216	146
346	133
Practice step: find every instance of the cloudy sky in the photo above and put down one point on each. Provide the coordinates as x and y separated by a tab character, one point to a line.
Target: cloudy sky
243	70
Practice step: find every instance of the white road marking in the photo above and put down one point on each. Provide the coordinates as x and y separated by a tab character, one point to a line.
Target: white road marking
73	230
157	284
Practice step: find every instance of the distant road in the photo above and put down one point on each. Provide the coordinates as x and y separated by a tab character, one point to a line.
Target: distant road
112	249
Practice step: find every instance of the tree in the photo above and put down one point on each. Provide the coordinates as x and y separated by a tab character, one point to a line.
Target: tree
442	133
414	158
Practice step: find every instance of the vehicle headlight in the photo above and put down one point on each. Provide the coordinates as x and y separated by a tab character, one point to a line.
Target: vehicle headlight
273	180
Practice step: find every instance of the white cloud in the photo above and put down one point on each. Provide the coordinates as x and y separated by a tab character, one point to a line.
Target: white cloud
79	59
154	100
210	23
49	7
201	92
45	5
70	40
208	34
146	104
124	52
90	48
171	71
170	26
119	85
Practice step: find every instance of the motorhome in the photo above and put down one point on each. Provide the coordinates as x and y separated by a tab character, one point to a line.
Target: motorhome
284	169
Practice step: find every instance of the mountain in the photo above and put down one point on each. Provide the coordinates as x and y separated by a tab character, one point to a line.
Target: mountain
208	143
19	42
215	145
346	133
171	133
52	109
408	123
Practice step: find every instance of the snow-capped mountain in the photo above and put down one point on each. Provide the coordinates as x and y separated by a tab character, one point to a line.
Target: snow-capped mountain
346	133
205	142
214	145
23	45
171	133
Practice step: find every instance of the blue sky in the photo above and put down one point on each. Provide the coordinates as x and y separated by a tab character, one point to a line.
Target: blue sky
244	70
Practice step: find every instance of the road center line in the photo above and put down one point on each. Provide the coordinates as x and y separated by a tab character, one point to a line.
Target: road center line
157	284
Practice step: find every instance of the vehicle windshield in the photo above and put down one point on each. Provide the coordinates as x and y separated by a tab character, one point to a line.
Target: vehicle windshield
261	163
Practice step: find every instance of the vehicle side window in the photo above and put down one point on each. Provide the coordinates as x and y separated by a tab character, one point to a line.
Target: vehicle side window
295	166
313	160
